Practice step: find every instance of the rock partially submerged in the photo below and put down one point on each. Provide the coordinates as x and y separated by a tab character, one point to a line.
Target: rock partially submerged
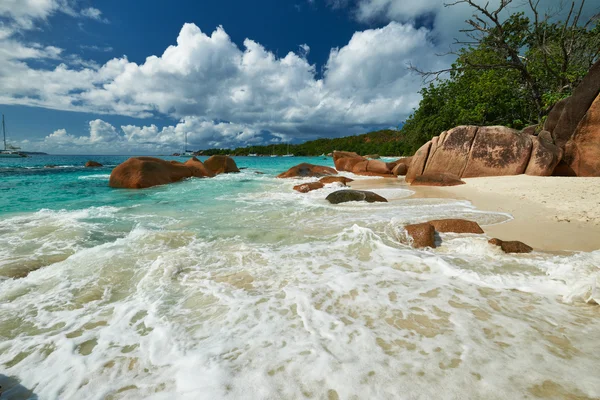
343	196
221	165
422	235
198	169
307	187
307	170
92	164
145	172
512	246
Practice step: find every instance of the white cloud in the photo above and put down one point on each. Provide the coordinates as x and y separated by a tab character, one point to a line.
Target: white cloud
93	13
102	137
23	14
210	78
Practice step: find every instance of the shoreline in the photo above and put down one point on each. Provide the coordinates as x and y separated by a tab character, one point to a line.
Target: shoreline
551	214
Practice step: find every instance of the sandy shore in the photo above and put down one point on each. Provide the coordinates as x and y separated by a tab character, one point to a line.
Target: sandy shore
550	213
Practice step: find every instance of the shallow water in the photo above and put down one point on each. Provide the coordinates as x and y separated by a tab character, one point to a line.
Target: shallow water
238	287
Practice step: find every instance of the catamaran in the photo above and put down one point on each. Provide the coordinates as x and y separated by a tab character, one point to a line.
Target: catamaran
9	151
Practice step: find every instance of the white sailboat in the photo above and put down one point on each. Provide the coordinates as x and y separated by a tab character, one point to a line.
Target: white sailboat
288	152
186	152
9	150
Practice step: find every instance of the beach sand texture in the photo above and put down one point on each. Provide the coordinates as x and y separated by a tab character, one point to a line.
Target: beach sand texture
549	213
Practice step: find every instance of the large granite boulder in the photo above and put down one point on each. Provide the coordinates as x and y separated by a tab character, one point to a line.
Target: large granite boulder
471	151
417	165
498	150
575	107
346	160
422	235
144	172
544	156
307	170
221	164
582	151
198	169
554	115
343	196
450	151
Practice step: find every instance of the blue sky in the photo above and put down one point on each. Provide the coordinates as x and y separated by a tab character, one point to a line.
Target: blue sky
106	77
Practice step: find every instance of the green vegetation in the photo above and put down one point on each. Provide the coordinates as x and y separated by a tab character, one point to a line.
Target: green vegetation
509	71
385	142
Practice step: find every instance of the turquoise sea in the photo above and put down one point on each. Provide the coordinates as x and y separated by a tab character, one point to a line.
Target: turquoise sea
238	287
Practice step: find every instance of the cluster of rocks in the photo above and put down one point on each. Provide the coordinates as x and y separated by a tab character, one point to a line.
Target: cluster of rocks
568	144
424	234
359	165
145	172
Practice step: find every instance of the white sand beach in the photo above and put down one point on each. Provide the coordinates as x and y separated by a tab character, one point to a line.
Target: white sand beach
550	213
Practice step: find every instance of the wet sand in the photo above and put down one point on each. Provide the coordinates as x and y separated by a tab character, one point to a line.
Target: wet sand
550	213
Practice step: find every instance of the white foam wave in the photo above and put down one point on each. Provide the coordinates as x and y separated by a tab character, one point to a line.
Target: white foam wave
268	293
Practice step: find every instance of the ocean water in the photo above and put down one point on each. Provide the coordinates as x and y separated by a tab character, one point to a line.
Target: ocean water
237	287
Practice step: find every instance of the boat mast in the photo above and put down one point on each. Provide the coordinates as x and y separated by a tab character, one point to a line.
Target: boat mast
4	131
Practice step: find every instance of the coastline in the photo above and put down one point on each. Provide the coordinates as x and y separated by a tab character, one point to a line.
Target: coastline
553	214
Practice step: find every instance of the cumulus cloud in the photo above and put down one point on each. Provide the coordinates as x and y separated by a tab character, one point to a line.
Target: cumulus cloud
103	137
209	77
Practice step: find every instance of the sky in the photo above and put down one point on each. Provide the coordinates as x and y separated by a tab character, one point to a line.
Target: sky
116	77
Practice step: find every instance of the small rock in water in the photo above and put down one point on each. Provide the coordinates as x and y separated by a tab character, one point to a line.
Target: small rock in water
343	196
423	235
456	226
512	246
91	164
307	187
50	166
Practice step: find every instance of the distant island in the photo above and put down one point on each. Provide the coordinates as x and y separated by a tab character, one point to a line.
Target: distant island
34	153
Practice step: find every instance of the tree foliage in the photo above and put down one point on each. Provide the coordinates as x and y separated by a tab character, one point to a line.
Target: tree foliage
384	142
508	72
